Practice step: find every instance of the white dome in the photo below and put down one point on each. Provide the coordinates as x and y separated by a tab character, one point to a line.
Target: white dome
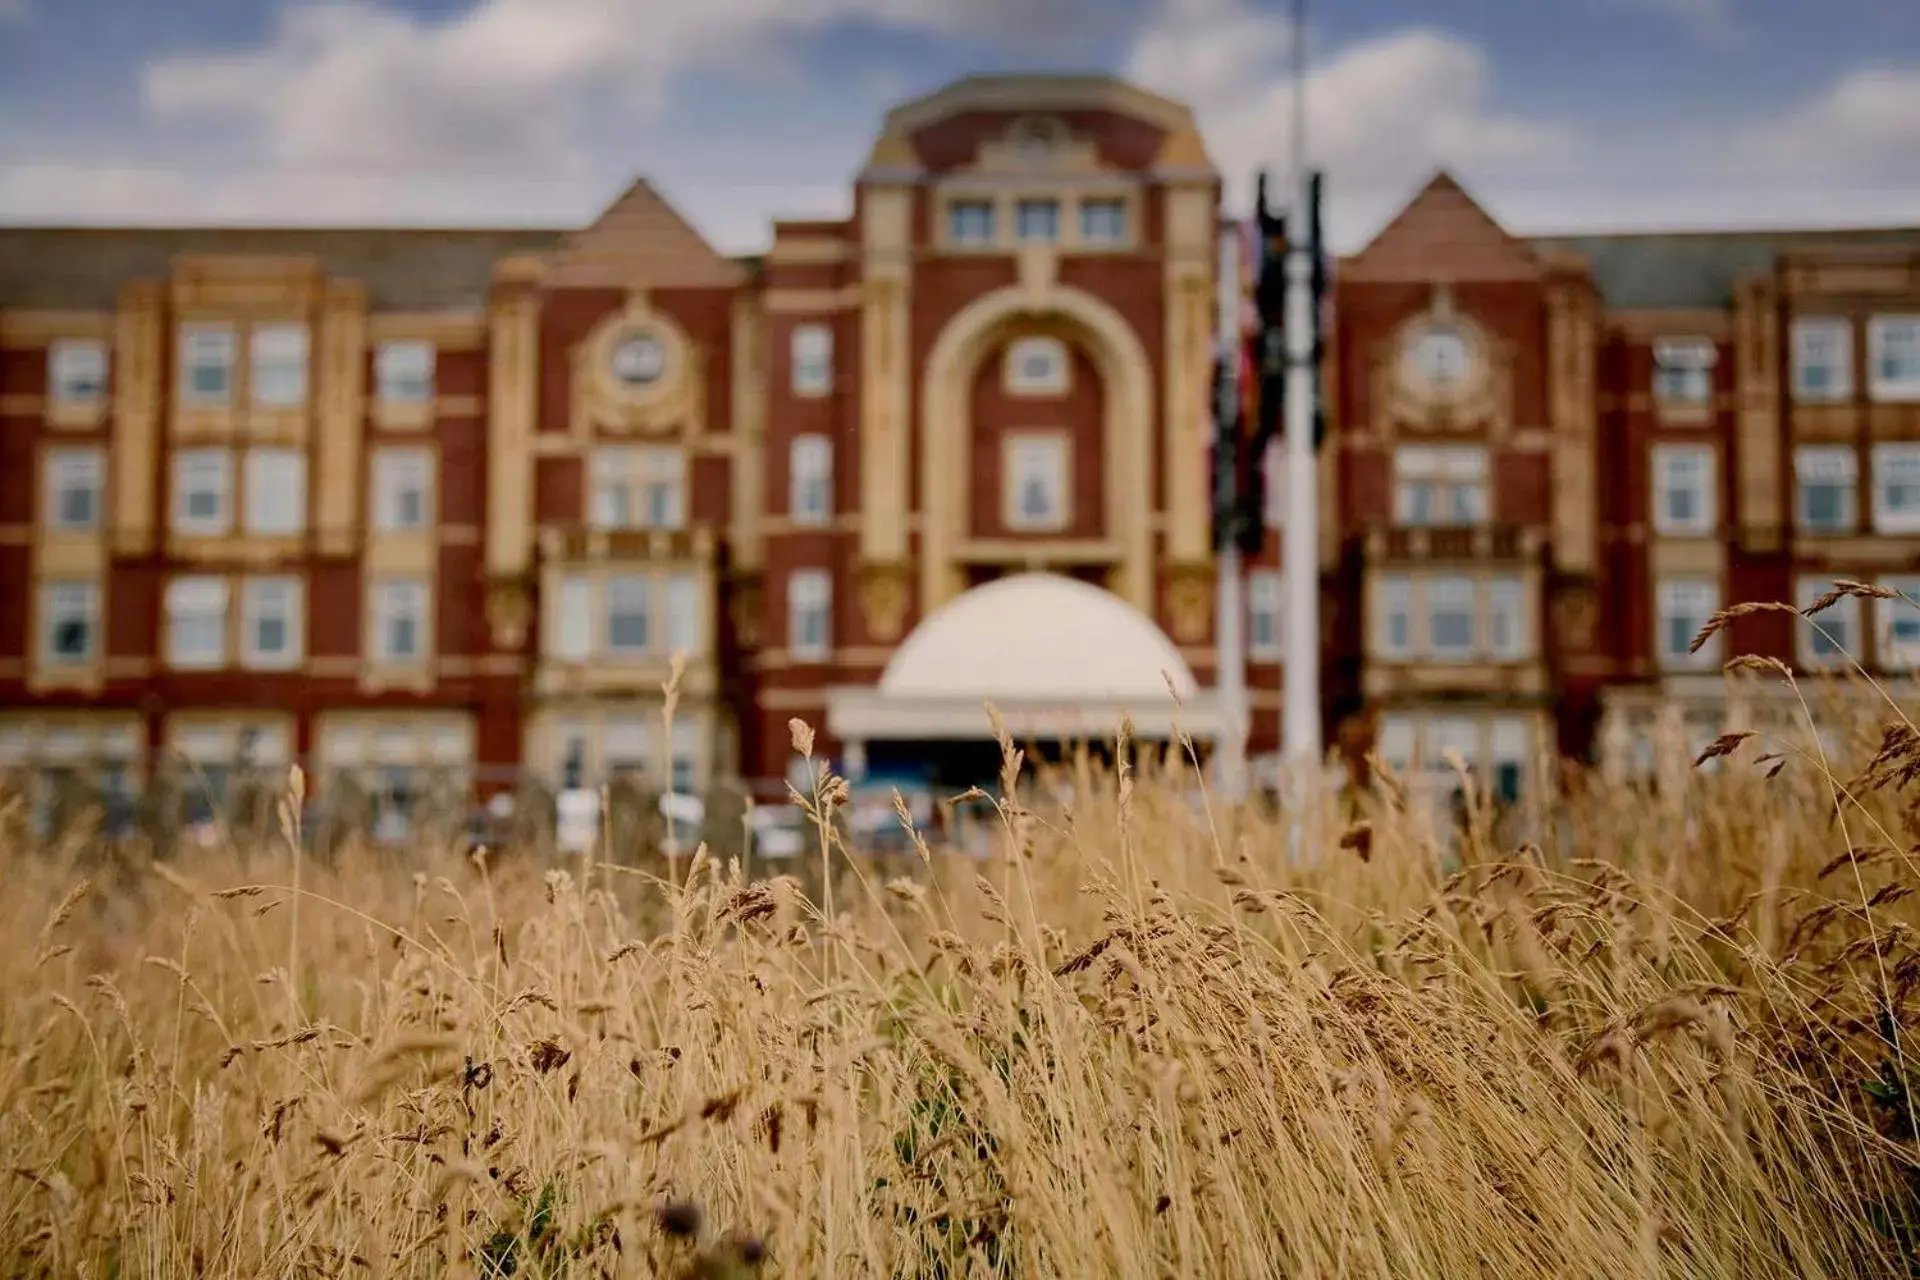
1041	636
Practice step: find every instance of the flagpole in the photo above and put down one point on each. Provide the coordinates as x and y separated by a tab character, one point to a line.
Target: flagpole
1231	633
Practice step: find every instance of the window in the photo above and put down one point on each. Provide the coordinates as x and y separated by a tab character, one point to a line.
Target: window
197	623
206	364
1393	634
276	491
1439	486
810	480
1265	642
70	623
1683	608
683	757
1450	617
403	372
1822	360
1103	221
970	222
809	628
1896	488
1683	488
1507	742
77	371
1037	220
73	482
279	365
683	613
1831	636
1683	371
1506	618
1898	625
1827	487
1394	745
273	618
403	485
639	487
629	614
1036	367
812	360
203	491
623	746
400	620
1893	355
572	637
1036	496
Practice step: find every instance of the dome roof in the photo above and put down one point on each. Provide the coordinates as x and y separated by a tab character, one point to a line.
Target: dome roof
1038	635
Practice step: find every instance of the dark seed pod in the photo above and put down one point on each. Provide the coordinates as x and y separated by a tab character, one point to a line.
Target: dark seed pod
680	1218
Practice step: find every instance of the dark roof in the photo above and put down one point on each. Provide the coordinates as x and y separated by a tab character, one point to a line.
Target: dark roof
1659	271
82	268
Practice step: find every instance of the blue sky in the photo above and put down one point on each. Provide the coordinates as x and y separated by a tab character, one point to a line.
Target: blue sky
1559	114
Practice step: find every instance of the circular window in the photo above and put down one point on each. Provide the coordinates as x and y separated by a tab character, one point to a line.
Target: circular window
639	359
1438	356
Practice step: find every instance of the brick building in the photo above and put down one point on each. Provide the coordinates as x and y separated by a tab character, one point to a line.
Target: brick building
425	504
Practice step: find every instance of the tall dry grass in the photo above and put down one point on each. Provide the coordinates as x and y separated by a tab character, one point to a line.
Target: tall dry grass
1668	1038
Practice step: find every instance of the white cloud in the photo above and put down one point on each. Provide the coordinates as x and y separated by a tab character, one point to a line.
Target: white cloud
1381	114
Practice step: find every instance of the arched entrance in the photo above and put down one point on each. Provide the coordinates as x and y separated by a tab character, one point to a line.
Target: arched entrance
1058	659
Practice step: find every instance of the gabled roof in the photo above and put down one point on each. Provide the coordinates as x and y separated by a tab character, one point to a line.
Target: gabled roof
641	241
1442	234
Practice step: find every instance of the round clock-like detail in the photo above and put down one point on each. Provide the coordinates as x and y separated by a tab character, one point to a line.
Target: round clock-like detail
1437	356
639	359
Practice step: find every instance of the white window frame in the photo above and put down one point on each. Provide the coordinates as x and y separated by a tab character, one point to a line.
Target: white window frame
1880	335
1837	465
1393	598
78	371
405	370
1807	330
73	470
810	480
276	491
286	593
198	597
1020	379
1888	459
390	598
1451	471
809	599
682	615
279	364
811	352
1890	653
400	470
64	600
1669	462
206	345
190	466
1840	621
570	637
960	230
619	594
1048	456
1507	595
1683	371
1463	586
1046	213
1701	598
1266	597
638	486
1089	234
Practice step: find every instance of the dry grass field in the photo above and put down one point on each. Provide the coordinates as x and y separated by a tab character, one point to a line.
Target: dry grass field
1670	1037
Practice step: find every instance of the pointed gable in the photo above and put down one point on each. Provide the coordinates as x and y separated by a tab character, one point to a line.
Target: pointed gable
1443	235
641	241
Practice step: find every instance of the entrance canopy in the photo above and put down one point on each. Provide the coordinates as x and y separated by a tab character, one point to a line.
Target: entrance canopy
1057	658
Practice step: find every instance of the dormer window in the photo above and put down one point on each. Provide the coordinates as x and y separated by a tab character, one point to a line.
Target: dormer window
1037	221
970	222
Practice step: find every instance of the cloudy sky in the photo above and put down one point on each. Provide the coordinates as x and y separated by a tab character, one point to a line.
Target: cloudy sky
1559	114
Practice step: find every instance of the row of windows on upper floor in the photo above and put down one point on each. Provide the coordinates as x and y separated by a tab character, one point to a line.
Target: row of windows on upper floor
270	501
619	616
1684	603
974	222
1822	362
1826	489
277	371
